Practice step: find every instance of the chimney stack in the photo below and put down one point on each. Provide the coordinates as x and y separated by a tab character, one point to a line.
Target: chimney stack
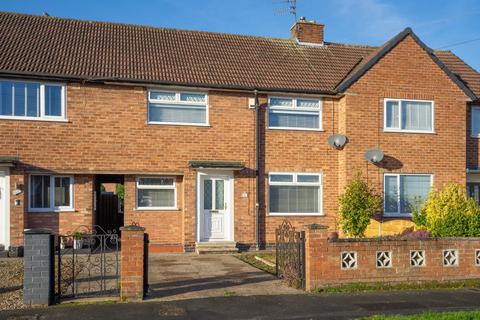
309	32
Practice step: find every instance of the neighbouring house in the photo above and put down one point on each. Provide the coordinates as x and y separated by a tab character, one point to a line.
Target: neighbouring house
218	137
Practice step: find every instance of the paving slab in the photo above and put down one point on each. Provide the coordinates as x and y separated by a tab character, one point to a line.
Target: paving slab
179	276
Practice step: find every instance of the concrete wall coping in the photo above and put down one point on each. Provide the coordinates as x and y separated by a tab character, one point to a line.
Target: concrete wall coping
37	231
385	239
132	228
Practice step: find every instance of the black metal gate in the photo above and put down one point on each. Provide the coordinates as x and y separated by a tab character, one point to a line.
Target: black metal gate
87	264
290	254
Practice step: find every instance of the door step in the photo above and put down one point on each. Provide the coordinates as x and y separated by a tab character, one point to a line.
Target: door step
3	252
216	247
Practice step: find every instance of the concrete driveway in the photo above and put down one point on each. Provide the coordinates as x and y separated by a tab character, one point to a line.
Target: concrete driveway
179	276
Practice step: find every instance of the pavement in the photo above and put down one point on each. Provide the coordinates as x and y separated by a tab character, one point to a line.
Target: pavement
304	306
180	276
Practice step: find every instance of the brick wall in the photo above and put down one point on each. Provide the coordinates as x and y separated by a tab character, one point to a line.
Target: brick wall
323	259
132	263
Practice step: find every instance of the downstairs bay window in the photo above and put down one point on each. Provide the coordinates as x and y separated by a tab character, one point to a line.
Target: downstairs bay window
404	191
156	193
50	193
295	194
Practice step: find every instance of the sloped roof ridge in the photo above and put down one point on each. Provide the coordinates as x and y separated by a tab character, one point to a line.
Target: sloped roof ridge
387	47
142	26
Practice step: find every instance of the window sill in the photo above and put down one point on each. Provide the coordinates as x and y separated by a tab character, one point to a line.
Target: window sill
50	210
179	124
397	216
295	129
33	119
157	209
296	214
408	131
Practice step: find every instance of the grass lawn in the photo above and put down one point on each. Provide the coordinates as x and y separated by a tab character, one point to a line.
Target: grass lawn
461	315
377	286
249	258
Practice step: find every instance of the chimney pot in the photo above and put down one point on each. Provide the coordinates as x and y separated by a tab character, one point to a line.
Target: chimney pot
307	31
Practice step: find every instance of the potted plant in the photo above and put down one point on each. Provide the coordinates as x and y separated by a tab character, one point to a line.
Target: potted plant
77	240
62	244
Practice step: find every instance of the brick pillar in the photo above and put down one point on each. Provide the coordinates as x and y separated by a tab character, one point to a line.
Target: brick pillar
316	241
132	263
38	280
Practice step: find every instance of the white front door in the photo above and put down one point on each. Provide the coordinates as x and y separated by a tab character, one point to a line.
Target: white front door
215	208
4	224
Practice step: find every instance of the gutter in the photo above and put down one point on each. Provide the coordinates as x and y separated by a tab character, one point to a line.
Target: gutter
153	83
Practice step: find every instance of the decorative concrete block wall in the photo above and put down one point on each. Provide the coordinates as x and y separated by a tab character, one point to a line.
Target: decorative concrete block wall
38	284
336	261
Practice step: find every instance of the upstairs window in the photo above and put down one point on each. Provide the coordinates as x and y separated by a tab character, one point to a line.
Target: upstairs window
50	193
295	194
294	113
185	108
475	121
31	100
404	191
408	115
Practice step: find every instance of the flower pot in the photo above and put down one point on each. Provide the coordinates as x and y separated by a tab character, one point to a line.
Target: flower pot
62	244
77	244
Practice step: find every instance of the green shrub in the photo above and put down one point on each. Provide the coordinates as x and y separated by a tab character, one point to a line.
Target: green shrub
449	213
358	204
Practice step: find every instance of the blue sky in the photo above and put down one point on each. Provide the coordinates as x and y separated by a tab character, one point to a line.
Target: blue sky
437	22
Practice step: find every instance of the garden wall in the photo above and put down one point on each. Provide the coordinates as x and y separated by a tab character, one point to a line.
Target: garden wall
337	261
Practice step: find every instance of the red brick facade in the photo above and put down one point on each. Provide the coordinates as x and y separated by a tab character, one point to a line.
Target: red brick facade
107	133
323	259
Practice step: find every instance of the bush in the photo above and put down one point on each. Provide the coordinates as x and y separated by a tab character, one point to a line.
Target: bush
358	204
449	213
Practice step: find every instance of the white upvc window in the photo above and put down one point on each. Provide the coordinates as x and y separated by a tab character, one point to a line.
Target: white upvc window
475	121
28	100
156	193
295	193
294	113
49	193
404	191
415	116
178	108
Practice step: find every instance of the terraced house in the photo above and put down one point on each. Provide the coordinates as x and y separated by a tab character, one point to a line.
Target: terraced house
216	138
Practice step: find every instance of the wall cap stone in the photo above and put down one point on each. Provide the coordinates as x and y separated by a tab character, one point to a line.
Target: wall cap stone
391	238
37	231
132	228
315	226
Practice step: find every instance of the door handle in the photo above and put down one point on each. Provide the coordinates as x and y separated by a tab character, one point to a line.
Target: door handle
214	211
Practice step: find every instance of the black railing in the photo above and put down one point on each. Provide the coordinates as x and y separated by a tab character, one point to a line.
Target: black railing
290	255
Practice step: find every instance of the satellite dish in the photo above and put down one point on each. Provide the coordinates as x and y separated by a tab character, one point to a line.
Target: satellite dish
374	155
337	140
